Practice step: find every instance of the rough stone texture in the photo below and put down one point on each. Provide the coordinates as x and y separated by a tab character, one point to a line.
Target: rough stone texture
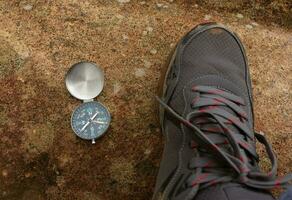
10	60
40	156
277	11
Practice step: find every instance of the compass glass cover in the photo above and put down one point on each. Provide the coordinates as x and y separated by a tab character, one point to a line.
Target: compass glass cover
90	120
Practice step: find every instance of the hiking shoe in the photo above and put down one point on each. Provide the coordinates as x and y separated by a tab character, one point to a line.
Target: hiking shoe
206	116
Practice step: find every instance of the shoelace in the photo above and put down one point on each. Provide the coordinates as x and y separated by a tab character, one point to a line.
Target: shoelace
240	161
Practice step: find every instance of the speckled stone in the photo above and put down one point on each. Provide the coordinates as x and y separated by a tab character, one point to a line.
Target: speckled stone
149	29
140	72
159	5
40	156
248	26
147	64
239	15
123	1
153	51
207	17
28	7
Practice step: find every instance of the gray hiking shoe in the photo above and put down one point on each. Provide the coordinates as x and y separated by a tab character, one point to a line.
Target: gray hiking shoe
207	119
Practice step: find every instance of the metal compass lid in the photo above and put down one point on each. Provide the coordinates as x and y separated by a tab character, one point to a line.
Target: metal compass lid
85	80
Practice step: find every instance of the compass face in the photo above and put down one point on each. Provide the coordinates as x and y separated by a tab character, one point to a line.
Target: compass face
90	120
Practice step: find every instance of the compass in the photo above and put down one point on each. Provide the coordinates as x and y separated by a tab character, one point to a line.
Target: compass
91	119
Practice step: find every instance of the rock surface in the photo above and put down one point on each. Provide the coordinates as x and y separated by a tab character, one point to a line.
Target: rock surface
40	156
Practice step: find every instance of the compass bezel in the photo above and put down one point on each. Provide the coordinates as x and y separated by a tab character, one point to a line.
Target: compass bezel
98	136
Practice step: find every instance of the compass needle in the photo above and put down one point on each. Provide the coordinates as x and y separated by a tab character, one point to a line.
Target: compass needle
85	126
99	122
94	115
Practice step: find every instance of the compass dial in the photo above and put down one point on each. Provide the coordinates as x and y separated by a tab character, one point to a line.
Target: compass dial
90	120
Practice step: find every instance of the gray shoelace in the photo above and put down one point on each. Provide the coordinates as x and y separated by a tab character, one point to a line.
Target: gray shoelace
220	132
